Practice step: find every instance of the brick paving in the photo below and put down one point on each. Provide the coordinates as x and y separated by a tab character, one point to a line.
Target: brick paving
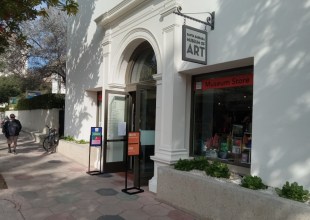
51	186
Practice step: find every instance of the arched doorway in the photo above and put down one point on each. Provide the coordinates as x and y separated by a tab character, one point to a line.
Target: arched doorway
135	108
142	89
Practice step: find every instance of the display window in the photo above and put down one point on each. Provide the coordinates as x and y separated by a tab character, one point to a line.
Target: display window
222	115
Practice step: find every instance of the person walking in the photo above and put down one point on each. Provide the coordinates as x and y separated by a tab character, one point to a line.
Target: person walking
11	129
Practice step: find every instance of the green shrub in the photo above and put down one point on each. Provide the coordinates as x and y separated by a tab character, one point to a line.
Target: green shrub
183	164
294	192
45	101
198	163
81	142
71	139
218	169
253	182
68	138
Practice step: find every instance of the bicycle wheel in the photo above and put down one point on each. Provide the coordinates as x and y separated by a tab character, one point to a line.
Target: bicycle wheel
56	140
46	144
54	143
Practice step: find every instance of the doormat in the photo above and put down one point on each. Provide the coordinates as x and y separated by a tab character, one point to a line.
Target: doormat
2	183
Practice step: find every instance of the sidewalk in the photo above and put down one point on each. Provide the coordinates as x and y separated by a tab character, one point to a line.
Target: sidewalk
53	187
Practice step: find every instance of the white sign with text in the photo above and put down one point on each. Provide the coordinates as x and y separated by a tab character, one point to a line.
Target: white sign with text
194	48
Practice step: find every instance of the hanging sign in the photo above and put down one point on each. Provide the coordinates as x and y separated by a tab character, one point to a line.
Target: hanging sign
225	82
194	45
96	136
133	143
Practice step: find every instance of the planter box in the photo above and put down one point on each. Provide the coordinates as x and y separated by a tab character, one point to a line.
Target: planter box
78	152
211	198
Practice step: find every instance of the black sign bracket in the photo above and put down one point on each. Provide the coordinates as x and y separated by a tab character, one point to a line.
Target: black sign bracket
210	19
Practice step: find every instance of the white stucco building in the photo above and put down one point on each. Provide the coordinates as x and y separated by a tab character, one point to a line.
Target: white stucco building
251	101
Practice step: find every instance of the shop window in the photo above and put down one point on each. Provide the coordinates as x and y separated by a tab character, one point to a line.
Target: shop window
222	116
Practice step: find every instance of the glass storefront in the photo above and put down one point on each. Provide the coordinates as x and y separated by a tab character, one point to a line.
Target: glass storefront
222	116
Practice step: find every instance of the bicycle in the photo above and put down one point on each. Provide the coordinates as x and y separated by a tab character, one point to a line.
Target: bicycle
51	141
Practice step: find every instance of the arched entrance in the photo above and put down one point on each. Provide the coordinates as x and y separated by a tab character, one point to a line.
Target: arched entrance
141	87
136	109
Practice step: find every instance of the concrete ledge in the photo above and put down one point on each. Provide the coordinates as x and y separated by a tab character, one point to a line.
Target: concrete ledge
209	198
79	153
36	135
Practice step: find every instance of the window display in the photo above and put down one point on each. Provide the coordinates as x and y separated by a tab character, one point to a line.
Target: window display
222	115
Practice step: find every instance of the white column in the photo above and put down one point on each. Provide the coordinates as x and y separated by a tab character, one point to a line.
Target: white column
171	135
105	71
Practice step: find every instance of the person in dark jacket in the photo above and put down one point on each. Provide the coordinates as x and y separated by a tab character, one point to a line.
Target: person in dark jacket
11	131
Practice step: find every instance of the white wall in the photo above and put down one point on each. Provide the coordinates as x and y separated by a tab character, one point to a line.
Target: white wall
36	120
274	32
84	68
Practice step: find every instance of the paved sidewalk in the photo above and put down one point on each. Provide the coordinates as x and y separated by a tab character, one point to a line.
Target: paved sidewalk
53	187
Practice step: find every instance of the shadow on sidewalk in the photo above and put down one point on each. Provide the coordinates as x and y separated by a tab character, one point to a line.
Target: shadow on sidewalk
3	184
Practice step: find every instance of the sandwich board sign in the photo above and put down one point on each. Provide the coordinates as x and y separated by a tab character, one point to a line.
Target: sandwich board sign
96	136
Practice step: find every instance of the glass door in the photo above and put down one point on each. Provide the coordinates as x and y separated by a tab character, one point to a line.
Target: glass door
115	131
145	115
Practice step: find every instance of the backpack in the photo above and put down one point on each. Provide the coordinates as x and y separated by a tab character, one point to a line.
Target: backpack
13	128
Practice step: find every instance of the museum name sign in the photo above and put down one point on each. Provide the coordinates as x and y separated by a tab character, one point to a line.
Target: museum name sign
194	45
225	82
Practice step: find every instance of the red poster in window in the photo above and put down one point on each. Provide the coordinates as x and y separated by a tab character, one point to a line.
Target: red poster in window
229	81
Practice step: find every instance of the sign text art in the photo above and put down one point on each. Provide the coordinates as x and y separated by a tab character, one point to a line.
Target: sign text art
194	45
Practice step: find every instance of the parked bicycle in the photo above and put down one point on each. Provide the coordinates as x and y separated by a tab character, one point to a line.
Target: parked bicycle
51	141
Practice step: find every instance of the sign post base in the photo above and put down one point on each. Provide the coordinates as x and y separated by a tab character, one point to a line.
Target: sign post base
133	150
137	190
94	172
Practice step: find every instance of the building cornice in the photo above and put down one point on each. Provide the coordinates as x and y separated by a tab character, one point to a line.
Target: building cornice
118	11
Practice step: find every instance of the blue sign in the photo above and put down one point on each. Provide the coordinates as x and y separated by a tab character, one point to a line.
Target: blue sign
31	94
96	136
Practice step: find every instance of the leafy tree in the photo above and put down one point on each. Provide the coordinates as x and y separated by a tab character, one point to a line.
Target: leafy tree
34	83
47	37
16	85
9	87
13	61
14	13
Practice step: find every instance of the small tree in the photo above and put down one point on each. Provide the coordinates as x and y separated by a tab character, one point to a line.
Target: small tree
47	37
14	13
9	87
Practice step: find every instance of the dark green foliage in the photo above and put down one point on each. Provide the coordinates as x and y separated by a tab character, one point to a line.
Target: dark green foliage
184	165
68	138
9	87
46	101
199	163
218	169
294	192
71	139
16	86
81	142
252	182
